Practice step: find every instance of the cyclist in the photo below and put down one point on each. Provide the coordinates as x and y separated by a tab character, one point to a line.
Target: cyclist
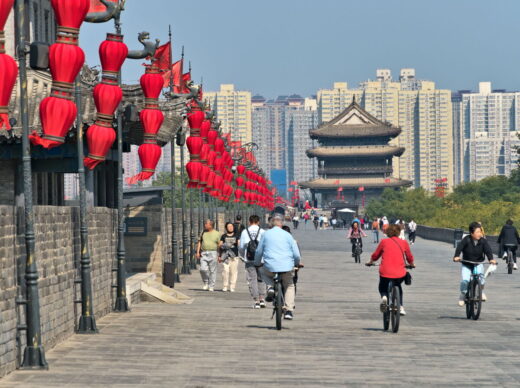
508	236
355	233
473	248
392	251
280	253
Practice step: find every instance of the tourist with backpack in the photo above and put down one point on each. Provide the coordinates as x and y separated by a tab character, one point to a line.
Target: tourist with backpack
249	240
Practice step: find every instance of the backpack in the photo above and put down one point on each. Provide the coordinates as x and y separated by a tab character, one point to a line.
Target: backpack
252	245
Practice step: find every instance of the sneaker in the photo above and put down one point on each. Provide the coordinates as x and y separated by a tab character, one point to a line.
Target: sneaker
256	305
462	299
224	289
514	266
270	295
288	315
504	256
211	289
384	304
484	297
402	312
262	304
205	287
231	290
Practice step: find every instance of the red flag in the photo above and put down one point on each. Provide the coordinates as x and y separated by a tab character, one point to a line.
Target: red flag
177	71
185	78
162	56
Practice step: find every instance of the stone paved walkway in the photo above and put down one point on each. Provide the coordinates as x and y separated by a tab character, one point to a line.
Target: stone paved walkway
335	340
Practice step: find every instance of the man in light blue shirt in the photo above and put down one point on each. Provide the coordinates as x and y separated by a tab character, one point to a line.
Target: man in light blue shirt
279	253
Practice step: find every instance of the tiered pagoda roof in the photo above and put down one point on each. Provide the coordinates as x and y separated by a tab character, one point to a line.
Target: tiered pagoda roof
353	151
367	182
354	122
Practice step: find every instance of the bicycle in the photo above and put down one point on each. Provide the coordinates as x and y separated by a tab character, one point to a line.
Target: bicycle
509	259
357	251
473	297
392	312
278	300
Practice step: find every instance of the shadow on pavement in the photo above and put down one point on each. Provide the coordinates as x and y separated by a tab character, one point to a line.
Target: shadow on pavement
447	317
265	327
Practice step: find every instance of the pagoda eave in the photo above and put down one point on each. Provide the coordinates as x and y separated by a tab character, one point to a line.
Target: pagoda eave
367	183
362	151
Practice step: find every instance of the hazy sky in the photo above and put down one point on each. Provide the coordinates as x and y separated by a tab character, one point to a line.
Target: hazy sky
275	47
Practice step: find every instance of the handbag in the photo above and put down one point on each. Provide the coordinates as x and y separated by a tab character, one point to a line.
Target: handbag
408	276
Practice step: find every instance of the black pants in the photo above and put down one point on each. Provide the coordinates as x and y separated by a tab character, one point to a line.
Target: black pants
353	241
513	251
383	286
411	237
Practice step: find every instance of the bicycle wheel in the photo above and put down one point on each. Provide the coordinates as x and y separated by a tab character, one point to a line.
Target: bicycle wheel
509	262
395	308
358	259
469	300
477	299
278	305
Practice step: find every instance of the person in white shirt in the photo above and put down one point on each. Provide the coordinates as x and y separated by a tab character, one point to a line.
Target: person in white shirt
253	277
412	228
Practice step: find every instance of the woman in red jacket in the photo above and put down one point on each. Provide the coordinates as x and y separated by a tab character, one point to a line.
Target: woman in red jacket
392	251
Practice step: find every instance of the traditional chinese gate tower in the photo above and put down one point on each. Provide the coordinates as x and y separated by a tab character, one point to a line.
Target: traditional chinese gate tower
355	157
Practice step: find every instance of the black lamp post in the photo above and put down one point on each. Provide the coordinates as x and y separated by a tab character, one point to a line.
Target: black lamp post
34	354
185	259
87	321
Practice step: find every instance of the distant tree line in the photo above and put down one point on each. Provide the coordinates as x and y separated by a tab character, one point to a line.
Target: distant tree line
490	201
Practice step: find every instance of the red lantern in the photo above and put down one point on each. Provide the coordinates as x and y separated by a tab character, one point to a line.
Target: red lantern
240	181
107	98
195	119
204	175
57	116
70	13
149	155
194	144
112	53
219	145
204	129
241	169
193	169
238	194
65	62
152	120
212	136
8	73
151	82
99	140
210	181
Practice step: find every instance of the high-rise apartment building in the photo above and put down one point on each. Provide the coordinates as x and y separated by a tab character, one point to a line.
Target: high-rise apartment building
423	112
281	130
233	109
488	125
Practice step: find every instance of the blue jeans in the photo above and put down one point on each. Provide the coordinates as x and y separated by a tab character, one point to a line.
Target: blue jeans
376	235
466	276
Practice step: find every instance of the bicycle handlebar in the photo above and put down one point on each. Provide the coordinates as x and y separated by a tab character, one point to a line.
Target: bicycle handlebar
474	262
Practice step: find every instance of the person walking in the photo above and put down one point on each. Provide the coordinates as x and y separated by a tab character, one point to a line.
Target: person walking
207	254
385	224
296	221
412	228
239	226
375	231
316	221
228	249
249	240
395	254
279	253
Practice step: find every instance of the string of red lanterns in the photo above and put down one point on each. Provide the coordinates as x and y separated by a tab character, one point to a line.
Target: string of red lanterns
152	118
58	111
107	97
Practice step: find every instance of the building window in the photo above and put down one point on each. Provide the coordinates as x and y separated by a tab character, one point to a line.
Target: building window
47	25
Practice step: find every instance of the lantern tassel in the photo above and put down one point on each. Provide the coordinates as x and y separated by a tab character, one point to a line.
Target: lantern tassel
142	176
91	163
45	143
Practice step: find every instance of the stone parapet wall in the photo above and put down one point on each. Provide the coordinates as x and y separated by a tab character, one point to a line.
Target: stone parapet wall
57	251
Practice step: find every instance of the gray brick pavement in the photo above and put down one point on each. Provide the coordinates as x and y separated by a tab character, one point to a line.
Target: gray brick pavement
335	340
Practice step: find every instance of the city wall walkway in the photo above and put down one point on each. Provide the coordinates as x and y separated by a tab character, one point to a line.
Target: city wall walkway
336	338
